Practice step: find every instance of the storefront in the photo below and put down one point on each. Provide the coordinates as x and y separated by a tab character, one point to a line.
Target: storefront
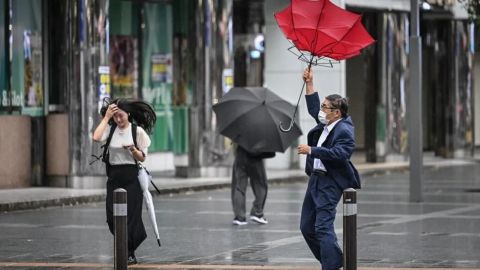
380	93
141	66
22	92
176	55
21	57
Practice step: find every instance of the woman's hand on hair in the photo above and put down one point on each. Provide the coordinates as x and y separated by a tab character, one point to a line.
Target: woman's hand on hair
112	109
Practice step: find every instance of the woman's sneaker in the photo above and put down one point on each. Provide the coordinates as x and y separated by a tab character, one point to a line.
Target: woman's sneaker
131	259
259	219
239	221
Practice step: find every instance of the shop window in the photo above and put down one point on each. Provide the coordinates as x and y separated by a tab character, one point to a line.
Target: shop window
26	51
4	92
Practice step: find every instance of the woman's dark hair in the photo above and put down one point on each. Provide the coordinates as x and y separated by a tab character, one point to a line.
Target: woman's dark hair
139	112
338	102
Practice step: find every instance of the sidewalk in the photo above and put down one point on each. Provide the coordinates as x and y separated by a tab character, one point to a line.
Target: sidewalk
38	197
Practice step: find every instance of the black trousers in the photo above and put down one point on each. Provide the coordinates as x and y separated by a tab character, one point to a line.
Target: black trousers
126	177
244	168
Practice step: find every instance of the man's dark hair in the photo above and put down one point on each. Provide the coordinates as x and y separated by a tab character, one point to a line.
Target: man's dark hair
338	102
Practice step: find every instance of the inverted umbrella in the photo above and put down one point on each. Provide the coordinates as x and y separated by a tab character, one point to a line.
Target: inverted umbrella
250	116
320	29
321	32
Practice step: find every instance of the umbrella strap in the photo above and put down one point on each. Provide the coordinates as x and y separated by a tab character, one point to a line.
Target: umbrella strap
153	184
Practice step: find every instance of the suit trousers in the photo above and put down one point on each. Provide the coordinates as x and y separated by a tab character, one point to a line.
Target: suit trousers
317	218
245	167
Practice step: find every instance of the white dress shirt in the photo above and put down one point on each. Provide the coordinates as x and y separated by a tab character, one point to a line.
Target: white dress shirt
317	163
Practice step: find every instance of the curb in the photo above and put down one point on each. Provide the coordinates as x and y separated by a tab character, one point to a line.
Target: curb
66	201
76	200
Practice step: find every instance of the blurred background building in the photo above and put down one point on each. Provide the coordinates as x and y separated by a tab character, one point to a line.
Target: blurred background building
59	59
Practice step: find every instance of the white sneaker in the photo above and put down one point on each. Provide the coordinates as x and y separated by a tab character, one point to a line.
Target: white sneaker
239	222
259	220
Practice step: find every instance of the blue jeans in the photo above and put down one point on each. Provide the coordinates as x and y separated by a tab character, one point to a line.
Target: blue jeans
316	222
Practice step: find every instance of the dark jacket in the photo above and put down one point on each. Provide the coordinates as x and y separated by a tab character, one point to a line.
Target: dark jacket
337	149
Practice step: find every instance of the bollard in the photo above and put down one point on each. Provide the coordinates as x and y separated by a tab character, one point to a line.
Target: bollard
350	229
120	227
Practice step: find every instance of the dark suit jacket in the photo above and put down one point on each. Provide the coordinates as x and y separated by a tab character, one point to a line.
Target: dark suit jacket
337	149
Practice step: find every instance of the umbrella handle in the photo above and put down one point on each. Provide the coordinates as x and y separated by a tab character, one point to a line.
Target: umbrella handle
286	129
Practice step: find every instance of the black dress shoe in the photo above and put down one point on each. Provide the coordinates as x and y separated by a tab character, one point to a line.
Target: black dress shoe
131	260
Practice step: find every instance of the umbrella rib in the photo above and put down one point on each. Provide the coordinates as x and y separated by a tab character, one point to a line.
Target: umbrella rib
318	22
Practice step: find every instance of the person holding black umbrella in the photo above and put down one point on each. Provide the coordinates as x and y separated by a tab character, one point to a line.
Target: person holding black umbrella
250	117
330	145
251	166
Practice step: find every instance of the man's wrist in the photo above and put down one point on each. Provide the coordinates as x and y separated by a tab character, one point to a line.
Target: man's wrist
309	150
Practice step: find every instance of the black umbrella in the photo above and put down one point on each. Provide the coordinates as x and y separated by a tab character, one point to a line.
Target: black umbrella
251	116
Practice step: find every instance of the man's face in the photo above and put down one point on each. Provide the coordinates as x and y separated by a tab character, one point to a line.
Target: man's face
332	113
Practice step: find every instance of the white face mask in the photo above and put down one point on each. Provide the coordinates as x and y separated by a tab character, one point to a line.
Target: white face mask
322	116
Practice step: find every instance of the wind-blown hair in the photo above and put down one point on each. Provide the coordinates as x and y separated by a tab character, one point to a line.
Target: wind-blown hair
139	112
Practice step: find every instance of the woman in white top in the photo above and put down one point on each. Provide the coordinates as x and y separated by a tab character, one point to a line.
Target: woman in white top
123	155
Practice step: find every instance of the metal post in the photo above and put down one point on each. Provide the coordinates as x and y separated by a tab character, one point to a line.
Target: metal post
415	137
120	228
350	229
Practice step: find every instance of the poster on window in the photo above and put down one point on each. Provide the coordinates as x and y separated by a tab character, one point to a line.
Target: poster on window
103	84
123	66
161	68
32	52
3	60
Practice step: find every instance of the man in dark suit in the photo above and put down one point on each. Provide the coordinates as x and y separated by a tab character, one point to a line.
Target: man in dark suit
330	146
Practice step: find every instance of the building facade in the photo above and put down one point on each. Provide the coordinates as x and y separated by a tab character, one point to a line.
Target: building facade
59	59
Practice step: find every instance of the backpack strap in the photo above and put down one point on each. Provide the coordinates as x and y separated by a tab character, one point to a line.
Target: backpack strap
107	144
134	136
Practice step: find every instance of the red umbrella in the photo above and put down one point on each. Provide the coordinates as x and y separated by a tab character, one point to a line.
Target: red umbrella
321	31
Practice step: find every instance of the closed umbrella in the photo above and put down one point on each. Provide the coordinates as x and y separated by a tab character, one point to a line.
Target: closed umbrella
251	116
145	178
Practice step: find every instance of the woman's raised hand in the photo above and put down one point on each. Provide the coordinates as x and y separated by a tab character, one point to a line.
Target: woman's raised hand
112	109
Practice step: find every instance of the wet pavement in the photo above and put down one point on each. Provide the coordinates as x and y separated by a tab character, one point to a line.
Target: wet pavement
196	230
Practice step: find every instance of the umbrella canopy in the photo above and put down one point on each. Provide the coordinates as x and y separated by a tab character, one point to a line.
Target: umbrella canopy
321	32
251	116
323	29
